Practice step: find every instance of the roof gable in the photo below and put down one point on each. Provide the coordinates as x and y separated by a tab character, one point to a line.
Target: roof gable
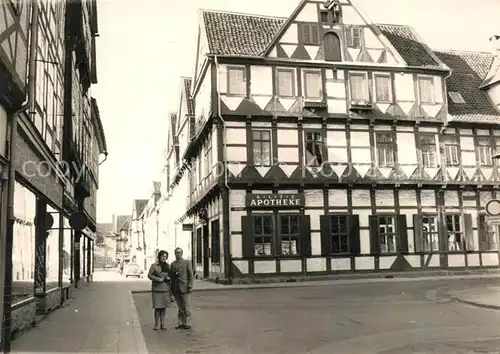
288	43
468	72
121	220
235	34
139	205
493	76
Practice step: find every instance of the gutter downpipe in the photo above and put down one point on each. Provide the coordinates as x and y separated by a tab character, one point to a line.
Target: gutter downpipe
224	149
446	98
7	295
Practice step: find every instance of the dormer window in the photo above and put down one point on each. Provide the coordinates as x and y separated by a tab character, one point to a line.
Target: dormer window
456	97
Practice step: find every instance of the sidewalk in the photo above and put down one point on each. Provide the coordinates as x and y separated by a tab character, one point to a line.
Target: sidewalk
488	297
101	318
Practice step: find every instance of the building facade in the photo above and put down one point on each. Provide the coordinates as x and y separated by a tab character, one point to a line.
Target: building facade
175	178
324	143
152	226
42	256
121	224
136	233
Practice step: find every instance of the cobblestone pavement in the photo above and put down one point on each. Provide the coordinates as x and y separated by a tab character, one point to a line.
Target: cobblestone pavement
382	318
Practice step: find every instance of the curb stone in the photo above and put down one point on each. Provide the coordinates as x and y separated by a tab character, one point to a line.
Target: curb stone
336	282
476	304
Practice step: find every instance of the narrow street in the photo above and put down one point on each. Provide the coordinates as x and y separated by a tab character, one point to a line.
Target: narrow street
390	318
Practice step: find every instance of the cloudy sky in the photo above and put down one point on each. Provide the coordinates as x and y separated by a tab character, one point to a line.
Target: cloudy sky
145	46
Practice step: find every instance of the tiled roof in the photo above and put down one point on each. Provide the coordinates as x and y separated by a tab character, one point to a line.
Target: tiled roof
121	220
140	204
173	128
468	72
250	35
125	226
105	228
406	42
239	34
187	92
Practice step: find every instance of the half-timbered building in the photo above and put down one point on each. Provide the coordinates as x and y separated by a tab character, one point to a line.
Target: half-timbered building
51	138
325	143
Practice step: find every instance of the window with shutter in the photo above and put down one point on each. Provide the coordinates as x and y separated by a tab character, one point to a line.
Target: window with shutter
488	235
469	236
402	239
289	234
374	235
199	247
215	242
310	33
354	37
426	233
305	235
455	233
354	235
263	231
339	234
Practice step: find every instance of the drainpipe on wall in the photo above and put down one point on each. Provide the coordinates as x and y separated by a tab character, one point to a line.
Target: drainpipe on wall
7	296
224	156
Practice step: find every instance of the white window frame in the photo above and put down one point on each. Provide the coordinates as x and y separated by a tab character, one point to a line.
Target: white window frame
375	91
321	93
228	80
433	90
485	152
436	145
294	81
385	165
367	86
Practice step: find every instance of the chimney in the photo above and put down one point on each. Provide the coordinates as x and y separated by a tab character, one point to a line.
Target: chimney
495	44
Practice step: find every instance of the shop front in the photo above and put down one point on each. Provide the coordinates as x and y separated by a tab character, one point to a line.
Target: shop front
325	232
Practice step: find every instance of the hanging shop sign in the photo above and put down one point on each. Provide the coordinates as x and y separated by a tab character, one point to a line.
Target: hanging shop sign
296	200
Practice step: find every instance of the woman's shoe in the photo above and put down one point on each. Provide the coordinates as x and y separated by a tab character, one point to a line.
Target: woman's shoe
163	328
179	327
155	328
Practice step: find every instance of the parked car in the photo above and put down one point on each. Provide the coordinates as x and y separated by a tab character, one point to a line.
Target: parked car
133	270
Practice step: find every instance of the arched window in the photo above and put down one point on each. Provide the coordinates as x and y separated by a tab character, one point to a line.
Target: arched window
332	47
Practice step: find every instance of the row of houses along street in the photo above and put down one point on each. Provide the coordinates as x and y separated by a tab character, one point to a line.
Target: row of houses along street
323	143
51	145
316	143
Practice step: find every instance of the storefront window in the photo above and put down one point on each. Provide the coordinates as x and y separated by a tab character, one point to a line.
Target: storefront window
91	265
67	252
52	251
83	256
23	248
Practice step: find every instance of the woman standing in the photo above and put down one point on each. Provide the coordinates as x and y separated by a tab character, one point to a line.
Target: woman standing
159	274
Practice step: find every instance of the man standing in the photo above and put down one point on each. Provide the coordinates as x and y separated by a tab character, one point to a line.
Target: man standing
182	286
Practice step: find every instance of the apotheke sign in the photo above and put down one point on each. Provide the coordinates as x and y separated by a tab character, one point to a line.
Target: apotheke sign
295	200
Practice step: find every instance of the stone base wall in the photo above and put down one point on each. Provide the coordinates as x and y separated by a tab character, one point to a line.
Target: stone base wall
23	316
53	299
